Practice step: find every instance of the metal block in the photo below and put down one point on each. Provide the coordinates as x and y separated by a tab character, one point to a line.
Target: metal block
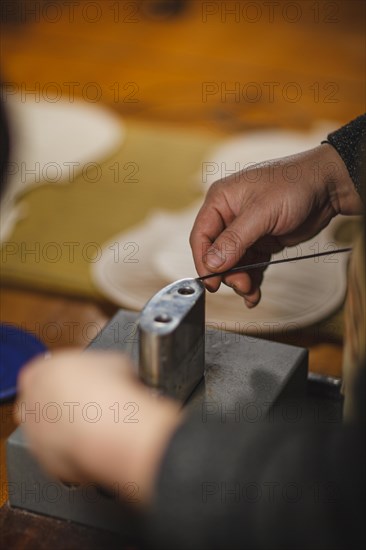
172	339
244	376
31	489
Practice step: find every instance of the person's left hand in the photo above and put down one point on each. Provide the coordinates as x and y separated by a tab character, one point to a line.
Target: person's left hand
88	418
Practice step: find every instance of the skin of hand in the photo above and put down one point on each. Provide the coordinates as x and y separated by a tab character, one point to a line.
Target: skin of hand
95	421
258	211
92	420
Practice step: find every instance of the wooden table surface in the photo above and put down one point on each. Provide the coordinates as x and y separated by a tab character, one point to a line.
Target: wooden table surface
255	67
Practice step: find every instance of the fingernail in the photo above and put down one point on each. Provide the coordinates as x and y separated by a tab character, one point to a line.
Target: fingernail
249	305
214	258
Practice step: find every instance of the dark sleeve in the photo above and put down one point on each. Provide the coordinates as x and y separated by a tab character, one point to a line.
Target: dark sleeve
261	487
350	143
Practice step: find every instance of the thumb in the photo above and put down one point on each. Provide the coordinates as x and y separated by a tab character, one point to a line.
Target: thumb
231	245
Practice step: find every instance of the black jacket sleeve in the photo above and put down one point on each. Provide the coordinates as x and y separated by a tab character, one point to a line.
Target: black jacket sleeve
268	486
350	143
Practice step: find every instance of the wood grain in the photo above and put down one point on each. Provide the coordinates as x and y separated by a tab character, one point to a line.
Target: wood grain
312	59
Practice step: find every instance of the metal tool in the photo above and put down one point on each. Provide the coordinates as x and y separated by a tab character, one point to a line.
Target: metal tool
172	343
218	374
240	268
244	379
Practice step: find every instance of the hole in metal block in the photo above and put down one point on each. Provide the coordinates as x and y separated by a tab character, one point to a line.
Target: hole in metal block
163	318
186	290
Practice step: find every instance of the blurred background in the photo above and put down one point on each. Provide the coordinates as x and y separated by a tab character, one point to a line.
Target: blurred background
154	59
113	108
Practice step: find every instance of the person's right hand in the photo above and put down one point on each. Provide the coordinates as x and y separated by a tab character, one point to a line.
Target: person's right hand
256	212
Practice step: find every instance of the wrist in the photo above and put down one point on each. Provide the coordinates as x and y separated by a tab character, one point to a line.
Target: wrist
340	188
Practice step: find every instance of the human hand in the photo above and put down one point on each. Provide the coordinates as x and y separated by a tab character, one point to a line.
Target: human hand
256	212
94	421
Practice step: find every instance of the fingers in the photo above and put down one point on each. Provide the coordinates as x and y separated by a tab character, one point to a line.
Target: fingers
252	299
247	286
216	241
220	241
208	225
52	396
232	244
57	464
29	372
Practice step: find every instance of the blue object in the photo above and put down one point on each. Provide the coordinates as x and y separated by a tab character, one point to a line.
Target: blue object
17	347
